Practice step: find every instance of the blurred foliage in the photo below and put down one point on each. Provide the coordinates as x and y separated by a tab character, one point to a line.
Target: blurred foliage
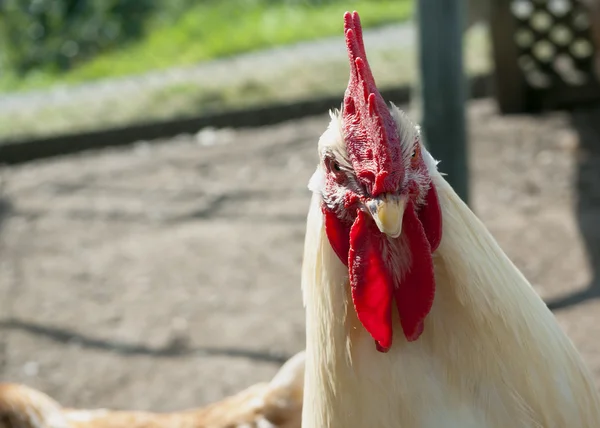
43	42
61	33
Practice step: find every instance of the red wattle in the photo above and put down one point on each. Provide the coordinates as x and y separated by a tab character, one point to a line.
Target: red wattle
360	246
338	234
370	280
430	216
414	295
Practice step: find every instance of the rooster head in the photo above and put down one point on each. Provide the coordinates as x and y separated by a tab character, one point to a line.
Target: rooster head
381	210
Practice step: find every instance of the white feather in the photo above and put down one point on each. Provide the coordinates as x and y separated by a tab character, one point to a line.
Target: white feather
492	355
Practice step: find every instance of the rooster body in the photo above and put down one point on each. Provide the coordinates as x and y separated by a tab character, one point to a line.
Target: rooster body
492	354
485	353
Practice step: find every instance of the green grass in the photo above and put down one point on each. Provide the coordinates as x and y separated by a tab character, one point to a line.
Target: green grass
215	29
238	90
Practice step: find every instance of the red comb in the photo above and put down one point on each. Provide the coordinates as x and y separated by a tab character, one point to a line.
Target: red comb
369	129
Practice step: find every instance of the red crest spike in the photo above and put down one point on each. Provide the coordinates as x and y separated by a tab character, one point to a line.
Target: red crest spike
370	132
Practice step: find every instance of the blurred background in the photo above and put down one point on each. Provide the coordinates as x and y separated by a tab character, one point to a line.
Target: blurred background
164	273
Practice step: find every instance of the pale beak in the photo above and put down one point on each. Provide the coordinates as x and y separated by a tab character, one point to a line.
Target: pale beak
387	212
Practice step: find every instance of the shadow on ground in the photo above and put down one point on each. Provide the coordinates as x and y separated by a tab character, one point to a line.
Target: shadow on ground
587	124
175	348
5	210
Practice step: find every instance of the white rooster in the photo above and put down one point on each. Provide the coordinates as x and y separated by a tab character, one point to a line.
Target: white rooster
415	317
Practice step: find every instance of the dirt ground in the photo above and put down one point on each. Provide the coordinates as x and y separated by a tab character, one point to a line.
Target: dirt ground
165	276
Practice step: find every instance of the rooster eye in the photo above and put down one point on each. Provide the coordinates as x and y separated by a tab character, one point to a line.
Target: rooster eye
414	154
332	165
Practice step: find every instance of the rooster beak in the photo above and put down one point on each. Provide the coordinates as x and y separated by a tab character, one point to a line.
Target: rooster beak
387	211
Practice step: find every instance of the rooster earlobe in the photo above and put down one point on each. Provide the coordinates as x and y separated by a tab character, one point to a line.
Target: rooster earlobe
430	216
338	235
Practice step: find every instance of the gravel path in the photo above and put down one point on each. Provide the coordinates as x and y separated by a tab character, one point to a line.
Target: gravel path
166	276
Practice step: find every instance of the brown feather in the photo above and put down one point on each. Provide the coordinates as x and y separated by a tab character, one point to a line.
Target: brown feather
277	404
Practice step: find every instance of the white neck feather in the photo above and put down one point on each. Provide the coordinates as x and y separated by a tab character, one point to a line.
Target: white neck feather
491	355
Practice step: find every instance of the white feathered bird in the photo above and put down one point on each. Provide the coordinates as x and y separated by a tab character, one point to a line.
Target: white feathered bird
393	256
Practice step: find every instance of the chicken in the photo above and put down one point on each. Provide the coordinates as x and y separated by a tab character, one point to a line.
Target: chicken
415	317
277	404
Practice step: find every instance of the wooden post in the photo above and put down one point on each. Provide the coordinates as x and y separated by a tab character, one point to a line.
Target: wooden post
443	87
511	87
